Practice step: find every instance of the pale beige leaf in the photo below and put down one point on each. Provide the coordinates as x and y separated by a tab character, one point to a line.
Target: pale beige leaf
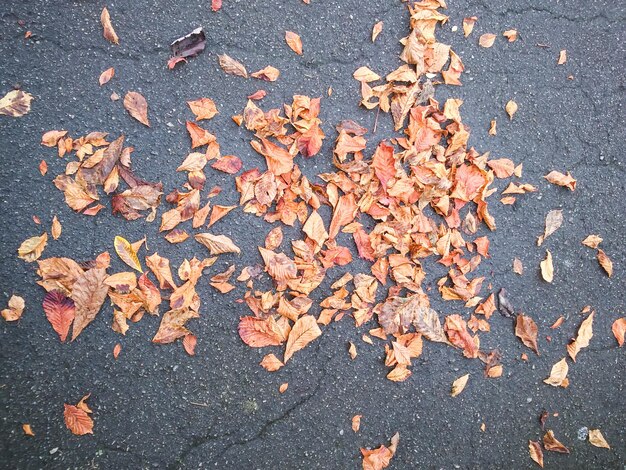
303	332
547	268
294	42
376	30
271	363
15	103
562	57
511	108
14	309
56	228
107	28
459	385
518	267
32	248
534	448
487	40
592	241
231	66
554	220
558	374
137	107
585	333
597	439
217	244
356	423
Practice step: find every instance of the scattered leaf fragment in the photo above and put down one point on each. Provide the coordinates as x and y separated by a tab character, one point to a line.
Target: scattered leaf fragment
468	25
14	309
379	458
547	268
562	57
283	387
56	228
203	108
352	350
15	103
518	267
493	127
231	66
558	374
511	108
486	40
28	430
137	107
271	363
553	444
605	262
294	42
376	30
356	422
510	34
189	343
217	244
107	28
597	439
43	167
619	330
116	350
554	220
459	385
107	75
534	448
216	5
560	179
592	241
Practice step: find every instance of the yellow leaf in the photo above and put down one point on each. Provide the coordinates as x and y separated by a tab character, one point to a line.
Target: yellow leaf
125	251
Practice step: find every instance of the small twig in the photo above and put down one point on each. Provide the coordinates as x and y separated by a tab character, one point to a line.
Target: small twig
376	121
198	404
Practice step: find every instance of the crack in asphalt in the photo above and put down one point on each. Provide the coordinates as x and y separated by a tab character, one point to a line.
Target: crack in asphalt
553	14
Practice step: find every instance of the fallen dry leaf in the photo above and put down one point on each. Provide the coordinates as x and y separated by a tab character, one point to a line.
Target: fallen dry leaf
125	251
487	40
534	448
560	179
380	458
352	350
137	107
376	30
547	269
216	5
585	333
203	108
15	103
107	28
269	74
459	385
283	387
43	167
552	443
60	311
511	108
558	374
554	220
356	423
217	244
592	241
88	293
526	330
597	439
56	228
271	363
107	75
32	248
605	262
468	25
77	418
510	34
116	350
562	57
303	332
619	330
14	309
294	42
189	343
231	66
518	268
172	325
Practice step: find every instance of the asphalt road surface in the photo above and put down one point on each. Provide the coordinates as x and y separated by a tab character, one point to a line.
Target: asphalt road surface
157	407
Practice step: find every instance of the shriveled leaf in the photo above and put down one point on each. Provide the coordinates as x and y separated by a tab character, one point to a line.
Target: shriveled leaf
553	444
15	103
77	418
88	294
459	385
380	458
125	251
558	374
356	423
137	107
199	136
510	34
259	332
32	248
562	57
60	311
597	439
376	30
303	332
547	268
107	28
294	42
526	330
468	25
161	268
217	244
558	178
534	448
592	241
14	309
585	333
605	262
231	66
269	74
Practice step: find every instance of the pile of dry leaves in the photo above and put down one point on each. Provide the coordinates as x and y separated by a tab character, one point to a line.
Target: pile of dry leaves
423	196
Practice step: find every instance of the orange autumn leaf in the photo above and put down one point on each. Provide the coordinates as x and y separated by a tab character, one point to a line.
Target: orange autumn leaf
560	179
60	311
283	387
456	330
116	350
380	458
356	423
219	212
203	108
468	25
88	294
269	74
43	167
107	28
137	107
28	430
173	327
294	42
619	330
228	164
259	332
217	244
502	167
189	343
107	75
199	136
303	332
526	330
77	418
605	262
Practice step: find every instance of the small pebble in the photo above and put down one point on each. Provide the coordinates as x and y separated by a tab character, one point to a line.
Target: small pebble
583	433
